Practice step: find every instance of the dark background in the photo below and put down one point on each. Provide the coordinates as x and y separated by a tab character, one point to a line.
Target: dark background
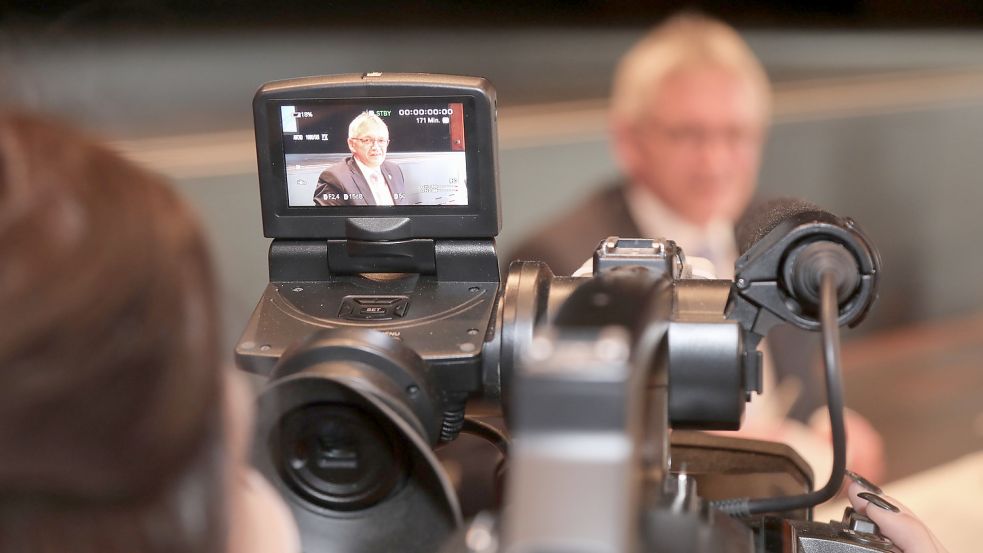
198	15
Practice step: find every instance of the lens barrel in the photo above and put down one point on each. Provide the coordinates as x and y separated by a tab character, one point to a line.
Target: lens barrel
345	430
338	456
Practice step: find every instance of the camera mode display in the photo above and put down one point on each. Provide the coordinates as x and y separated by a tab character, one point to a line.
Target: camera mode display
377	156
375	152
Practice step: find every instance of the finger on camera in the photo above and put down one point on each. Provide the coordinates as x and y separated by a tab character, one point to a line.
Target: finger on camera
860	504
907	532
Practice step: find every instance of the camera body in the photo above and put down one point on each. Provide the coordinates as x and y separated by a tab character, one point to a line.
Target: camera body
385	313
394	295
432	254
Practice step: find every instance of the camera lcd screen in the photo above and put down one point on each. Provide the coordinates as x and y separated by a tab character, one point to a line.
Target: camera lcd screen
375	152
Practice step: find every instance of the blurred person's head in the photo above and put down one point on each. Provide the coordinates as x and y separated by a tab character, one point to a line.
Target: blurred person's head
689	108
118	429
368	138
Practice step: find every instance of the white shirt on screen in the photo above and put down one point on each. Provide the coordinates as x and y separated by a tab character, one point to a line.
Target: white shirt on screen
377	182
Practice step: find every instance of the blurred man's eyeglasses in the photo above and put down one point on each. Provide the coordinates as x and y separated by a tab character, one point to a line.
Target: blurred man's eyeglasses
694	136
373	141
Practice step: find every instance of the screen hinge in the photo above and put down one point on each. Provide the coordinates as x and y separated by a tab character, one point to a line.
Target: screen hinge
372	256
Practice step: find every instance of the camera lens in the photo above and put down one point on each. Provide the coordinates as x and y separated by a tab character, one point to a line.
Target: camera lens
338	456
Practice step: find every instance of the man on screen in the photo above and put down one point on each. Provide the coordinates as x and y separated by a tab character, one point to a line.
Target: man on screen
365	177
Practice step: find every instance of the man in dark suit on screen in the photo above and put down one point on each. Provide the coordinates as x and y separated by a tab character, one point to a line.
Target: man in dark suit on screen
365	177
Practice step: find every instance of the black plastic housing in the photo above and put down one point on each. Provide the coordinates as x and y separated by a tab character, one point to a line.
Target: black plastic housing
481	218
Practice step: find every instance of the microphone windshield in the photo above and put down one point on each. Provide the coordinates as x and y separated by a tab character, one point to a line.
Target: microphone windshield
787	245
762	218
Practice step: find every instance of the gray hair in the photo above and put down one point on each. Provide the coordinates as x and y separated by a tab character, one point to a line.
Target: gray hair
365	119
687	40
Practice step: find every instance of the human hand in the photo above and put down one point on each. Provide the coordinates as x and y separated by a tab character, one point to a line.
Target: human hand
895	521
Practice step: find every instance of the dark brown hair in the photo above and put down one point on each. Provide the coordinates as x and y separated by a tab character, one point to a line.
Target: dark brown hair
110	392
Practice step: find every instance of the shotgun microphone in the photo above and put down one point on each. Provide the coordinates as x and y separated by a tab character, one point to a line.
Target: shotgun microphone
787	245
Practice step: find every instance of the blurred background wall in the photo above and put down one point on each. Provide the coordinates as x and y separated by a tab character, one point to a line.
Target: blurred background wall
883	126
878	115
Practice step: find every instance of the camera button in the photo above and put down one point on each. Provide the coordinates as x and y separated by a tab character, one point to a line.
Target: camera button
373	308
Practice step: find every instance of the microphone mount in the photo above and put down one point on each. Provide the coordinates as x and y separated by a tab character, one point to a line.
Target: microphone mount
777	278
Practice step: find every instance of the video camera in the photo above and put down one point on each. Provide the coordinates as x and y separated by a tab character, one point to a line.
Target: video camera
385	314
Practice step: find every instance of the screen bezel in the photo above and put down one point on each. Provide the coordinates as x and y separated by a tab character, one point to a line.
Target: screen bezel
479	219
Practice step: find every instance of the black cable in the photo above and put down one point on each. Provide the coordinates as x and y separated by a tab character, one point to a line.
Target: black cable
488	433
829	323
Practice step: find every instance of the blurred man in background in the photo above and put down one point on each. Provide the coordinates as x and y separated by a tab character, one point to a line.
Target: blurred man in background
690	107
689	111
